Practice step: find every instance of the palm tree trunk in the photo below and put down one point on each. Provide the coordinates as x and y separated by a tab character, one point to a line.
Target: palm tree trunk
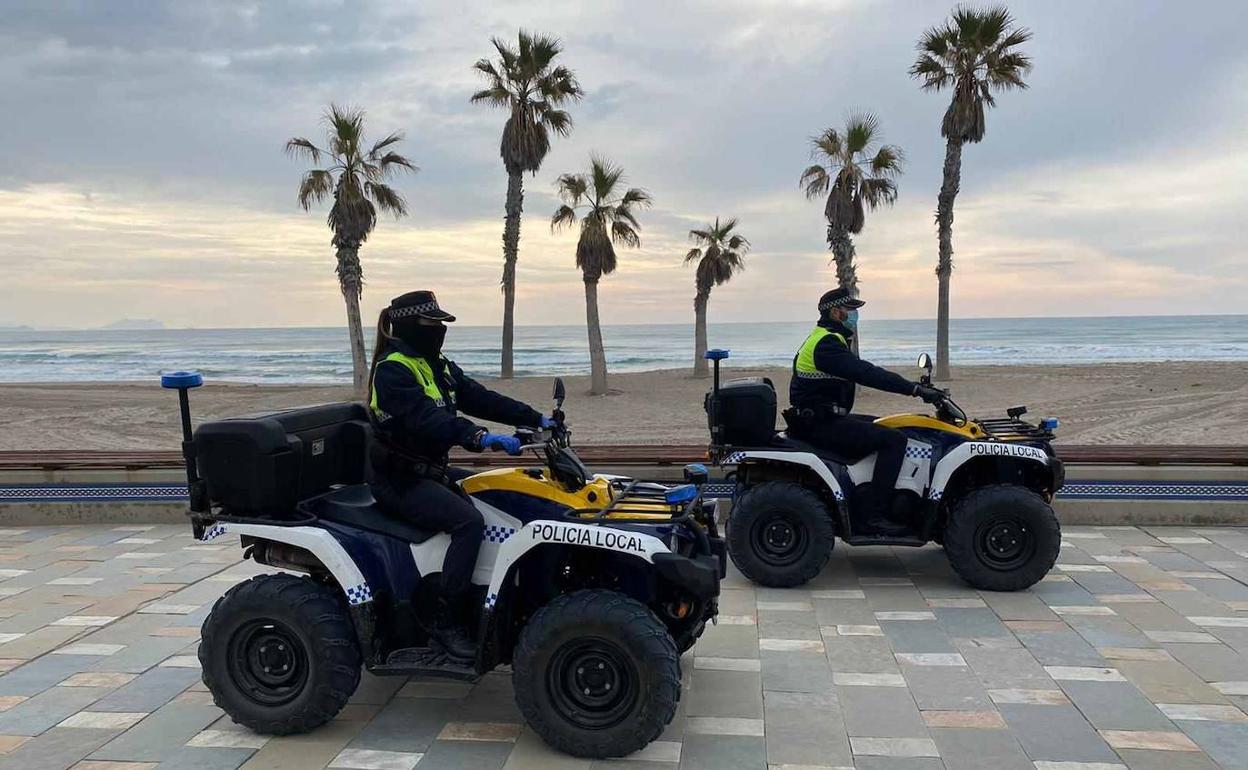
843	254
597	354
511	250
700	368
351	281
944	264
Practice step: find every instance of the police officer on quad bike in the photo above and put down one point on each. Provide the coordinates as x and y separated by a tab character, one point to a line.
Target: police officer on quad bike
826	371
415	395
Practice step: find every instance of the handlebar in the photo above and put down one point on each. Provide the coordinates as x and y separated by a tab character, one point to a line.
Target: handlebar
948	411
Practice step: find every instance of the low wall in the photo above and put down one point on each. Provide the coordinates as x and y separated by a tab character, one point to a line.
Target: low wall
1104	495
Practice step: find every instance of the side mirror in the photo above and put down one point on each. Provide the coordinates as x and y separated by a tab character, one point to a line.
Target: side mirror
560	393
925	362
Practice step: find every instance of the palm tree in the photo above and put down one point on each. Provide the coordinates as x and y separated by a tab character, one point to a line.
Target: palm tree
607	219
720	254
532	90
357	180
856	176
974	53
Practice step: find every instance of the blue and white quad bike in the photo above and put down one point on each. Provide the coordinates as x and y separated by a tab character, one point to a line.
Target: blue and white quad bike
589	586
981	488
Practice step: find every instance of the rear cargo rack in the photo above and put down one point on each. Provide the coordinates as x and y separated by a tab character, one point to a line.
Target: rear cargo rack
1014	429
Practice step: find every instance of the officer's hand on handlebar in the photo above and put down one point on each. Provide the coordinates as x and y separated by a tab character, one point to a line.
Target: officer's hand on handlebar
508	444
929	394
548	423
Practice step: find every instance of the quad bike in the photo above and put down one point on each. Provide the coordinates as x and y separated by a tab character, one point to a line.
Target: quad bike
981	488
589	586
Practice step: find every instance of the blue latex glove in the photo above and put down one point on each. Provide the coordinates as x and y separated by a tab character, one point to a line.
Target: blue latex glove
509	444
548	422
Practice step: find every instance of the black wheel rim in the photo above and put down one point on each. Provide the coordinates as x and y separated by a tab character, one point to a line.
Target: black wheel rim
593	684
1004	543
268	662
778	540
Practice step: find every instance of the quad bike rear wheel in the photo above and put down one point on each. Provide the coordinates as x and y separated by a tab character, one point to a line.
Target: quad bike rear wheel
596	674
1002	538
279	654
780	534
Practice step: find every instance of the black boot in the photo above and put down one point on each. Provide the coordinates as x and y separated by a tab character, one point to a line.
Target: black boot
453	636
873	514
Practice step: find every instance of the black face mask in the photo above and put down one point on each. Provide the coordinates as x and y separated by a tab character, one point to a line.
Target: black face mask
425	340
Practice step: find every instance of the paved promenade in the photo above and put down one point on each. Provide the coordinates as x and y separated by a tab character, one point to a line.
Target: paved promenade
1132	654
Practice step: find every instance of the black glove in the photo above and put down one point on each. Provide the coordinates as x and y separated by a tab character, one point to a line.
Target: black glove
929	394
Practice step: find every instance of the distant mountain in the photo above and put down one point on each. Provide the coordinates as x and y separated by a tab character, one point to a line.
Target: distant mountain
16	329
135	323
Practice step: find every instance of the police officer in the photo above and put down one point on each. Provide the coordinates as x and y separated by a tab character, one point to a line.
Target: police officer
825	372
416	394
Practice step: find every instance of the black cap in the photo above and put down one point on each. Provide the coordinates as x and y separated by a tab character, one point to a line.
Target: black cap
838	298
418	304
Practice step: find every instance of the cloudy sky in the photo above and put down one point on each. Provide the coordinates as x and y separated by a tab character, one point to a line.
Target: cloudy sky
141	171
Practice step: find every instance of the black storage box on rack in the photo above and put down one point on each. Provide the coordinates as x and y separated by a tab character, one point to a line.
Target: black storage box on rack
265	465
746	412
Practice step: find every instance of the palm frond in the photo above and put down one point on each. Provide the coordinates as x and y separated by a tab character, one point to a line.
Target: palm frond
300	147
572	187
387	198
317	184
693	255
565	216
860	132
496	95
814	181
623	232
887	160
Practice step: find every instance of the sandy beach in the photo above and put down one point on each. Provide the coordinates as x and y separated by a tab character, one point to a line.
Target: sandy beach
1170	403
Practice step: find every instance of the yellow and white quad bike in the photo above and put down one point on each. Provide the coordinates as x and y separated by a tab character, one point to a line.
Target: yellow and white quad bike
588	586
982	488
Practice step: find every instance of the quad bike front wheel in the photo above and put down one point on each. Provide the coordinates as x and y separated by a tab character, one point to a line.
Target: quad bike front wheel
279	654
596	674
1002	538
780	534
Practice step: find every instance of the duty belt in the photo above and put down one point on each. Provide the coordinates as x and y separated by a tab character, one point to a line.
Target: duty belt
817	412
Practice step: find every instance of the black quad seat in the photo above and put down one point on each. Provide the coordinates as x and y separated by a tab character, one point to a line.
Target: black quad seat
784	442
354	506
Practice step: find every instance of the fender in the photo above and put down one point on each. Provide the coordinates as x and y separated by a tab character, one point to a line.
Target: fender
806	459
568	533
963	453
320	543
499	528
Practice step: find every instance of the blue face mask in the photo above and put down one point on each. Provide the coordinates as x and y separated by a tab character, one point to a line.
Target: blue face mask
851	319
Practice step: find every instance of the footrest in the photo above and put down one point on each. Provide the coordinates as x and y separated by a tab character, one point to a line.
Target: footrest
426	661
886	540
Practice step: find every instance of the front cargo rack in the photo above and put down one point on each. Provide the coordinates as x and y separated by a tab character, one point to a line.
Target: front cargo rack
1014	429
636	500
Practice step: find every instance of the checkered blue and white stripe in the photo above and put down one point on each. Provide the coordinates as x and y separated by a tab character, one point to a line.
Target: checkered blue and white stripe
495	533
917	451
734	458
359	594
214	532
52	493
491	600
404	312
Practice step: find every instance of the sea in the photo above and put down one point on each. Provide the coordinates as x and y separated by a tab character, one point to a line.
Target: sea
320	355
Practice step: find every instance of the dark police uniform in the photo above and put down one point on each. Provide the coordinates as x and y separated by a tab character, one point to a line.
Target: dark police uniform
826	372
415	403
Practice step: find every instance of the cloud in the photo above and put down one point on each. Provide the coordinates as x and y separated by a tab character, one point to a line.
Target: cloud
145	176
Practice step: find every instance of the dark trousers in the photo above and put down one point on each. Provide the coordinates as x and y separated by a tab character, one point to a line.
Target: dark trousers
434	505
855	436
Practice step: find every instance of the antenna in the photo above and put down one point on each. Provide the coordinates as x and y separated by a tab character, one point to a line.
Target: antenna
184	382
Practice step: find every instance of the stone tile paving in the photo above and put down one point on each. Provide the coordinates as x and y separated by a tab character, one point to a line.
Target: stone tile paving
1131	655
